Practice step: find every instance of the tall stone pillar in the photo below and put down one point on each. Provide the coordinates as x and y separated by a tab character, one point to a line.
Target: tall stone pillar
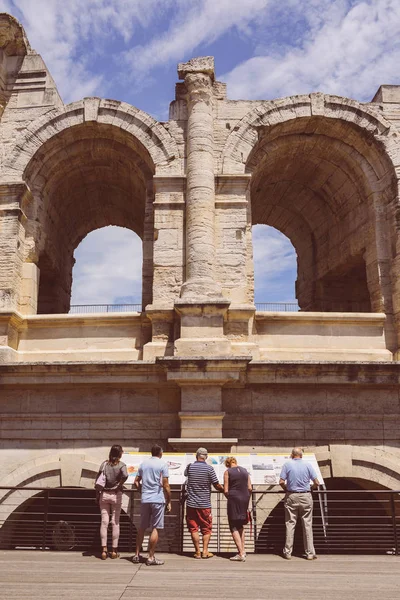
201	306
200	282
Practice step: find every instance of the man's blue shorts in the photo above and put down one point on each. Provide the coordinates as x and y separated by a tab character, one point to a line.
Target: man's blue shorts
152	515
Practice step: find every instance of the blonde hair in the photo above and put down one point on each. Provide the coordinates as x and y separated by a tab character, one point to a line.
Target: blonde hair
229	461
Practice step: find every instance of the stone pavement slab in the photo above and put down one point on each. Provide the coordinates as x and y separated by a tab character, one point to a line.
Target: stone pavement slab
64	575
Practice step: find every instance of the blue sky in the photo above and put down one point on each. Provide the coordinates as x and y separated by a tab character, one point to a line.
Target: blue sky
128	50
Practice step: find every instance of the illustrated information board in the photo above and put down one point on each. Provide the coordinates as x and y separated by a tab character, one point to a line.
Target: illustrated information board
264	469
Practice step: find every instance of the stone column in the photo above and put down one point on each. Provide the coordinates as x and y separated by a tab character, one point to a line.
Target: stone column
12	237
201	306
200	281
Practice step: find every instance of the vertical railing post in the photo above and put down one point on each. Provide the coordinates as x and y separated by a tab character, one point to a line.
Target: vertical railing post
182	517
254	516
218	522
131	526
45	518
395	536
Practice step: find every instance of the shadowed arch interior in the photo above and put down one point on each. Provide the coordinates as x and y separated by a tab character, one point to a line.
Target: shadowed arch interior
87	177
315	179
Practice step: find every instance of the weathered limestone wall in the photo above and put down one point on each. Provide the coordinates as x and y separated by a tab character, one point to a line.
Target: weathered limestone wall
199	365
347	414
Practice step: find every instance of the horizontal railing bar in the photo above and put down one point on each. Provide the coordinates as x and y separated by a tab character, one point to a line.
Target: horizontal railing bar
256	489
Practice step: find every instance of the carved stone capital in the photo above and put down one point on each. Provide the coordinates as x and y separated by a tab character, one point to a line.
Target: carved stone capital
199	88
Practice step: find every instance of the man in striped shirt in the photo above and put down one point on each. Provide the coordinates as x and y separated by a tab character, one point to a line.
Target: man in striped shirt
200	478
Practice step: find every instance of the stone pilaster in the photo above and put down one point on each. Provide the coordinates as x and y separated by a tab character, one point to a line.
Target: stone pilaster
12	236
201	382
200	283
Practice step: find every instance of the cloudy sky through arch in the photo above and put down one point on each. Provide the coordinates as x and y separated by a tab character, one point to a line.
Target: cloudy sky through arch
128	50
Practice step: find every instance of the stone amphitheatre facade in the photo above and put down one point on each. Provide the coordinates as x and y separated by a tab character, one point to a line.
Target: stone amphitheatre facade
199	364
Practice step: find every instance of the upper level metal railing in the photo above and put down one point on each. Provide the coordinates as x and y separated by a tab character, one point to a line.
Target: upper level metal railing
76	309
345	521
277	306
118	308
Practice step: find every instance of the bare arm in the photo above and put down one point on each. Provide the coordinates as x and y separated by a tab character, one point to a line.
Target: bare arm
226	483
167	493
249	485
315	484
138	482
282	483
218	487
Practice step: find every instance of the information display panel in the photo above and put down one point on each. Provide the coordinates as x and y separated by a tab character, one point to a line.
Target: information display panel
264	469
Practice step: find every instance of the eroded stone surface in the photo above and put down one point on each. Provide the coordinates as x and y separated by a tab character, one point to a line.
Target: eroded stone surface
198	361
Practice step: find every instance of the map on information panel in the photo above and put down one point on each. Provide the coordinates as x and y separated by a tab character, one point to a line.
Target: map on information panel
264	469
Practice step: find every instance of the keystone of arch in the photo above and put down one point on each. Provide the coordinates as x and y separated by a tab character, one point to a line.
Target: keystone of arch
244	136
153	136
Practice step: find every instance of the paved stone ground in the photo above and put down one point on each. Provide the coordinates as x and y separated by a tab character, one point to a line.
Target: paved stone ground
45	576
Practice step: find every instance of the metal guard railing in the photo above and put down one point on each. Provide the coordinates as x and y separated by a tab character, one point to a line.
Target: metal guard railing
77	309
345	521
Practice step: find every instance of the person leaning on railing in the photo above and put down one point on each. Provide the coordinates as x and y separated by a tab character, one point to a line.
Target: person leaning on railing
110	499
295	479
237	489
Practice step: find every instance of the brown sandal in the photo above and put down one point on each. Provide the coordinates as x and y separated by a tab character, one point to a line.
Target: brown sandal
114	554
104	555
208	555
197	555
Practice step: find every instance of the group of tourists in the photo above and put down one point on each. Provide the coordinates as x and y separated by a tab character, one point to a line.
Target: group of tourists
152	481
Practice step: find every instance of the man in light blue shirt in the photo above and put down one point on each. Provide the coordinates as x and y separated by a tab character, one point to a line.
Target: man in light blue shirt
296	478
152	481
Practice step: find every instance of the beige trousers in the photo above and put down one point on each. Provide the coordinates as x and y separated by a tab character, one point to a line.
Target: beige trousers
299	505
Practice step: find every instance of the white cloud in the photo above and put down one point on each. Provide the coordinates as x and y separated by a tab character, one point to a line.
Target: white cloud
349	49
67	33
197	22
275	265
108	268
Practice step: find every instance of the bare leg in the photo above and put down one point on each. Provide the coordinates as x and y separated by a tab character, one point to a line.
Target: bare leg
196	541
242	535
153	542
206	539
237	538
139	540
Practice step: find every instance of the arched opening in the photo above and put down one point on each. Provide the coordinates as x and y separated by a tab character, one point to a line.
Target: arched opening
355	516
107	270
315	180
87	177
62	519
275	268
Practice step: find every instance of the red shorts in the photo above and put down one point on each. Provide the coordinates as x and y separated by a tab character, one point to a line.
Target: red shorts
199	518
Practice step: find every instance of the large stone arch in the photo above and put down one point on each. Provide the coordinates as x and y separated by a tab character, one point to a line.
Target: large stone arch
154	137
244	137
325	161
346	462
87	166
50	471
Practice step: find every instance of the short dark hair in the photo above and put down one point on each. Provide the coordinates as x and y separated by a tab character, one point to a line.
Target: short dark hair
156	450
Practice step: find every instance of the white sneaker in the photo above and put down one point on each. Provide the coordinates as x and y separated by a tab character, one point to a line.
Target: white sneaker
238	558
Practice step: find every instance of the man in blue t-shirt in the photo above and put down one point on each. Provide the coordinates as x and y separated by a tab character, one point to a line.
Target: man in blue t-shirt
152	481
296	478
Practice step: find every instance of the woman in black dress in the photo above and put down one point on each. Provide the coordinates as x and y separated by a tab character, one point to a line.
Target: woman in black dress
237	489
